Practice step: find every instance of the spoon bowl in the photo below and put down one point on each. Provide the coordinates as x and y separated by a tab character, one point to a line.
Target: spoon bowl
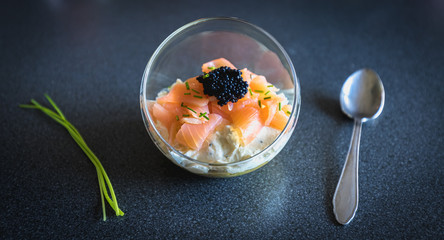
362	95
362	98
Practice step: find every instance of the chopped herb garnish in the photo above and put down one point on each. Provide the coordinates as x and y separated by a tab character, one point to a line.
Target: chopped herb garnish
251	92
265	98
280	107
190	109
288	112
211	68
185	115
196	96
204	114
259	103
188	86
195	91
267	92
104	182
271	85
182	105
258	91
205	76
187	93
177	118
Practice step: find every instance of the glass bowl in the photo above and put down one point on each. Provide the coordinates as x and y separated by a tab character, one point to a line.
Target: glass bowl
182	54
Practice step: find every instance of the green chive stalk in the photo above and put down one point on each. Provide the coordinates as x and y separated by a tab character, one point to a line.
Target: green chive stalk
104	181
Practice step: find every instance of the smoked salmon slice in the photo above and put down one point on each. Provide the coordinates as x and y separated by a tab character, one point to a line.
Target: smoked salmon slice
182	110
222	111
280	119
226	110
259	84
267	113
270	103
217	63
194	135
247	122
162	115
167	119
190	92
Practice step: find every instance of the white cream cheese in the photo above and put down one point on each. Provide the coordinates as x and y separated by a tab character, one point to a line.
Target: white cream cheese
224	146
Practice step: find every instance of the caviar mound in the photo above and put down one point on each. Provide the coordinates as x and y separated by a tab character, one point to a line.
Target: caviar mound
226	84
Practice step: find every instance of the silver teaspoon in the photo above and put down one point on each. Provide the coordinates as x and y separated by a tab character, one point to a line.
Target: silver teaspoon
362	98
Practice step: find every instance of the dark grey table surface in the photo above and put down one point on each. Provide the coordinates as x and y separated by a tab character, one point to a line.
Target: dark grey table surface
90	56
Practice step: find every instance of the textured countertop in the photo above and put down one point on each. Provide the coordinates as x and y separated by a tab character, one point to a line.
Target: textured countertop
89	57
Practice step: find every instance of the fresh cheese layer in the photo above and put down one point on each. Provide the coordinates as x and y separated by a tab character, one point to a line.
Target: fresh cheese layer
225	146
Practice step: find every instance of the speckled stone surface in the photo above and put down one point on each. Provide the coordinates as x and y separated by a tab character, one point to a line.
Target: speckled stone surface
90	58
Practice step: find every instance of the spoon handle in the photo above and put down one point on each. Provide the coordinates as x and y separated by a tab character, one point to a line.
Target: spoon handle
345	200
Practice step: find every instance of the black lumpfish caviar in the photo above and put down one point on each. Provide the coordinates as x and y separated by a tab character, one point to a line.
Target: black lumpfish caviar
226	84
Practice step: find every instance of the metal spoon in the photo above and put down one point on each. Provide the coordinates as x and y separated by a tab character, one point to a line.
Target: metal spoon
362	98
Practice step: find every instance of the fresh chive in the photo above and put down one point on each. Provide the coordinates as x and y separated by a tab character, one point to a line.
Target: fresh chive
195	91
251	92
258	91
259	103
79	140
271	85
204	114
196	96
177	118
103	179
288	112
265	98
205	76
188	86
190	109
211	68
187	108
267	92
187	93
280	106
185	115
